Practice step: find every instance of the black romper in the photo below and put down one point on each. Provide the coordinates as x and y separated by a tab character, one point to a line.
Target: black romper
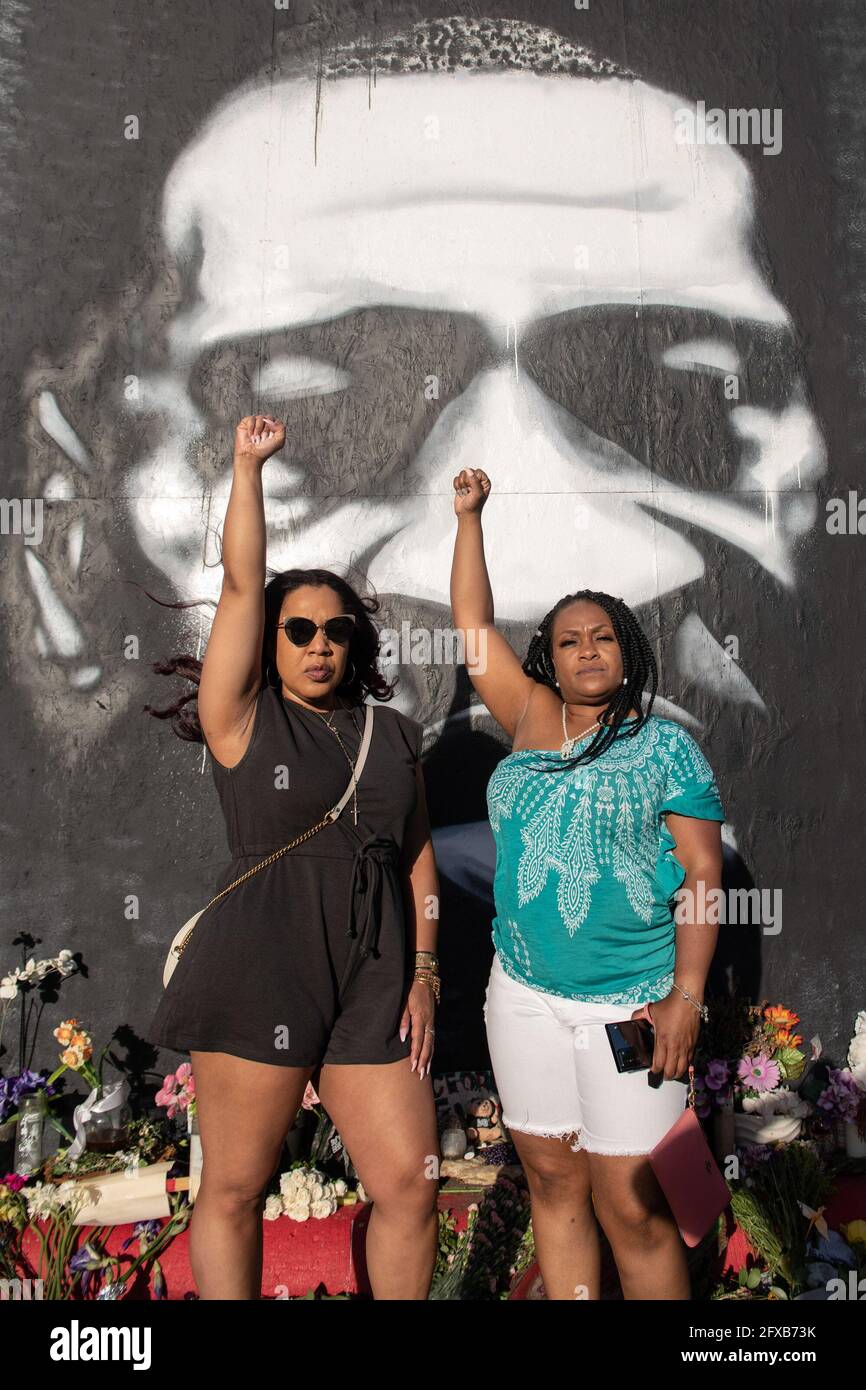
307	961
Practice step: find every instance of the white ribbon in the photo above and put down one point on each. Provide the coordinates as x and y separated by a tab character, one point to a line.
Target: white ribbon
112	1098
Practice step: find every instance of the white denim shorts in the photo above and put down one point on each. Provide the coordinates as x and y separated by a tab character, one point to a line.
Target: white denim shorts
556	1077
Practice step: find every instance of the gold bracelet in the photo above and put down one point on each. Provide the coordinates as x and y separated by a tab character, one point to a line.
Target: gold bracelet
427	977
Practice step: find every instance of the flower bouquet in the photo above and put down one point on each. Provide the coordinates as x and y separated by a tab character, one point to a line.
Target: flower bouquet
749	1066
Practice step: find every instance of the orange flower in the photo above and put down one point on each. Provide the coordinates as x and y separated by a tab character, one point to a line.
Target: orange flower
780	1017
77	1043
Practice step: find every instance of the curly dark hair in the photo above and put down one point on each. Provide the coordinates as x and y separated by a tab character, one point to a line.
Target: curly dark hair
638	664
366	678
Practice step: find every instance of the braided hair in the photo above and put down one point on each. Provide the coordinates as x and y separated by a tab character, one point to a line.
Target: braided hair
638	664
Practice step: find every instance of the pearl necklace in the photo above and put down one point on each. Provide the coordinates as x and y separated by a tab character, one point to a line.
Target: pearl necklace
568	745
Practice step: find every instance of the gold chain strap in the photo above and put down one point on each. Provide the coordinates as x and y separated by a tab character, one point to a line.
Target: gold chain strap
178	950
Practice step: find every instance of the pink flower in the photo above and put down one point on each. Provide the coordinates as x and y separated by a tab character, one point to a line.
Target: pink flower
310	1098
177	1091
167	1099
759	1073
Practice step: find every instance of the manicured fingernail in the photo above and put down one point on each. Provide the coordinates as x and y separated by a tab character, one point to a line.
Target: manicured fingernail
403	1032
414	1064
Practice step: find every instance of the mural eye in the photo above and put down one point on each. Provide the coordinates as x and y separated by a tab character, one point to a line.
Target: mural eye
607	367
289	377
229	378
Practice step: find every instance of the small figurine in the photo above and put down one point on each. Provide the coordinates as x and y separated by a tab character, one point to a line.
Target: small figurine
483	1122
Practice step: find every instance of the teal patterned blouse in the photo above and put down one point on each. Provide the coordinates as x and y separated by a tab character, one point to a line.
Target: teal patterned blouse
585	867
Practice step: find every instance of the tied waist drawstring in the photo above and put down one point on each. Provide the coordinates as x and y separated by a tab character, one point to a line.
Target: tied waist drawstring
372	859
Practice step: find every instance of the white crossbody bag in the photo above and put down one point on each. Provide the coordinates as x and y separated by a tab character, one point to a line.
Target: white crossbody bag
182	937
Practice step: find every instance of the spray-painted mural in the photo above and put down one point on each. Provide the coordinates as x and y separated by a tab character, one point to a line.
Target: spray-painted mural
544	242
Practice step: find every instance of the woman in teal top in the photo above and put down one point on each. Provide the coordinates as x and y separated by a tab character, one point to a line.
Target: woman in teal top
603	815
591	853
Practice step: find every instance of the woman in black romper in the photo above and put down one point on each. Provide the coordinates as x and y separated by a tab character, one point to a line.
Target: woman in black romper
307	971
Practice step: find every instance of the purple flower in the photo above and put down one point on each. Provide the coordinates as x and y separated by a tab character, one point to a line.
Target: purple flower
759	1073
13	1089
751	1155
842	1096
716	1074
703	1102
143	1231
85	1262
87	1257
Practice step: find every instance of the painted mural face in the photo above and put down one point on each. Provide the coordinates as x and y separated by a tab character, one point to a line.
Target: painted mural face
490	270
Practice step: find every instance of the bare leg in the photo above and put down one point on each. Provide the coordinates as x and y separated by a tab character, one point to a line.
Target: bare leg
637	1221
387	1120
563	1222
245	1110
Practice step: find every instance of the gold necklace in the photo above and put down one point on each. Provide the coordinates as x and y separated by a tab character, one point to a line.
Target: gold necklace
329	725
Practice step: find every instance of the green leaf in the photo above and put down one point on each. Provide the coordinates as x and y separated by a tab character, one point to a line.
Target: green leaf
791	1061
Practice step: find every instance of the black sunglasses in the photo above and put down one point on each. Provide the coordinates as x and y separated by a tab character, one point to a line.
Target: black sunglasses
301	631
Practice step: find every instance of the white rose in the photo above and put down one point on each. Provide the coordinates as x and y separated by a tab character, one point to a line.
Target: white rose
341	1187
298	1212
293	1180
857	1057
273	1207
323	1208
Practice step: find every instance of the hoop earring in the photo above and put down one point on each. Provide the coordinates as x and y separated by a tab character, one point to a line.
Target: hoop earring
625	680
268	677
347	680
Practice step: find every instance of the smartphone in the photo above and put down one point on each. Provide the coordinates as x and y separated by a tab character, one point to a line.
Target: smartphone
632	1043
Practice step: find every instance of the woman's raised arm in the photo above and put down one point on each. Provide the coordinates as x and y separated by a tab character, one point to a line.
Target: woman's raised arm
495	670
231	670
